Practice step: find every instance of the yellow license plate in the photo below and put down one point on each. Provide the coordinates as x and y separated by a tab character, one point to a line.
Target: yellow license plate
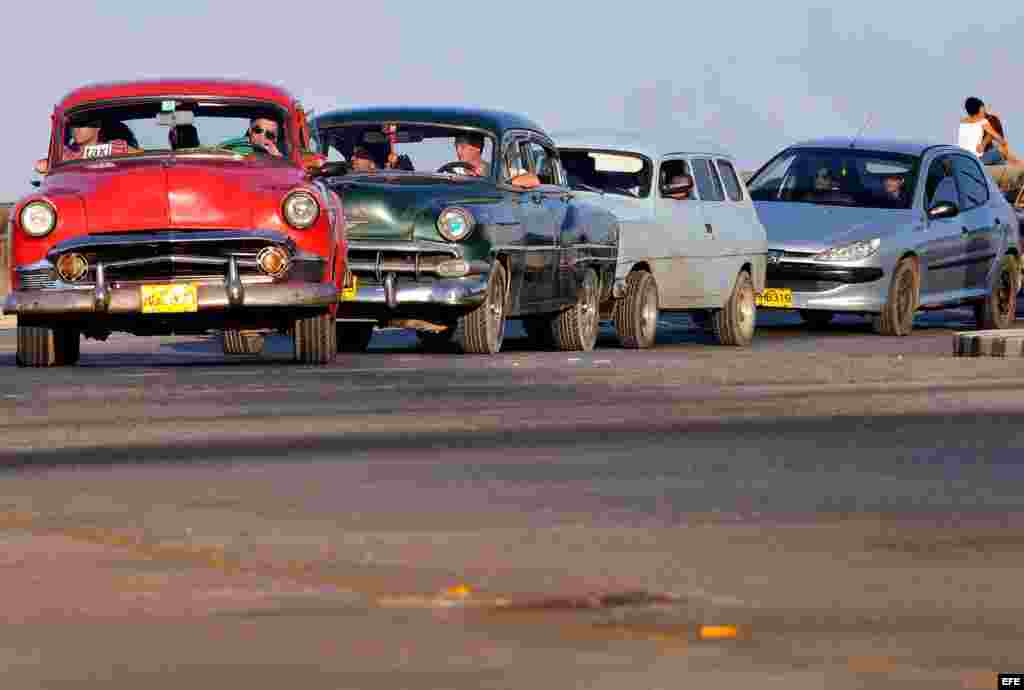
349	291
170	299
777	298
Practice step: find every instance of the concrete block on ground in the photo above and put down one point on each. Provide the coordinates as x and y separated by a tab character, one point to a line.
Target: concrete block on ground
1005	343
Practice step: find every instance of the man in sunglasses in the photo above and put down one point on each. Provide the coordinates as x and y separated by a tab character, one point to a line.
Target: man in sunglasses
263	135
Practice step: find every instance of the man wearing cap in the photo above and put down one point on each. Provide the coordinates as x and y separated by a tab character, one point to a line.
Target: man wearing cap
85	138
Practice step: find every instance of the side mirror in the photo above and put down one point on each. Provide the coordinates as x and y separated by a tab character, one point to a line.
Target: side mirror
35	183
943	209
42	166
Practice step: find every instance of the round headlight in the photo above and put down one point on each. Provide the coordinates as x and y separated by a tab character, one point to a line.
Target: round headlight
301	210
455	223
38	218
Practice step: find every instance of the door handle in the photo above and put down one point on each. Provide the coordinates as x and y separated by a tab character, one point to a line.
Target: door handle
568	196
538	198
708	229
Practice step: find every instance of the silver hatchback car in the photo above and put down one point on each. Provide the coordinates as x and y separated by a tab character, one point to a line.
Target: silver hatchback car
884	228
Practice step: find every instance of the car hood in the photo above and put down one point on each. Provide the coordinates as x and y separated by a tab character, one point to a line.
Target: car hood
157	193
813	227
404	206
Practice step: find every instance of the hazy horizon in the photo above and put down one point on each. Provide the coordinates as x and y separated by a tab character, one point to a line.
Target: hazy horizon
753	79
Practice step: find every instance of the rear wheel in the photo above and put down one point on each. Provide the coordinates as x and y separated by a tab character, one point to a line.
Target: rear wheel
242	343
734	323
897	317
636	314
314	339
482	330
816	319
47	345
999	310
575	328
353	337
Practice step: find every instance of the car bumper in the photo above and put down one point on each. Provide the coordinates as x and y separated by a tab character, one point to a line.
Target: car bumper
860	289
393	293
127	299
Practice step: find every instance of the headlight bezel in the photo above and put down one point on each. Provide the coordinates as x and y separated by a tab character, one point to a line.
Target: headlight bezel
444	224
851	252
38	204
288	212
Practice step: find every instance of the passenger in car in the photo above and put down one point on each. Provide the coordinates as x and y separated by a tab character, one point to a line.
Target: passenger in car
893	187
681	186
361	160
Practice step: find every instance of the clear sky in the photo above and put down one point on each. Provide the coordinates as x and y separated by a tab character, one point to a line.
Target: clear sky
752	76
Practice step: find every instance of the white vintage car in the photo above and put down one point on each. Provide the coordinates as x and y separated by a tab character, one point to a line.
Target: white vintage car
690	239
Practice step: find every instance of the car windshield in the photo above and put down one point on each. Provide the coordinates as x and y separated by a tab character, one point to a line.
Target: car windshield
838	177
607	172
370	148
155	126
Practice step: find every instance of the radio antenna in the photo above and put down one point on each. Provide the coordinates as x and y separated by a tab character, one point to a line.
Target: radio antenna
863	128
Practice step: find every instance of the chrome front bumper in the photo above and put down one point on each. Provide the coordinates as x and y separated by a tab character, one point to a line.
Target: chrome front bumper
455	292
127	299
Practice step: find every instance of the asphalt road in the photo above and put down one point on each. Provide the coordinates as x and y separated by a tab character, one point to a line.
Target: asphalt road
850	505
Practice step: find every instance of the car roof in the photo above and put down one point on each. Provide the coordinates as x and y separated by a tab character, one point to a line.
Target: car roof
148	88
491	120
912	147
628	141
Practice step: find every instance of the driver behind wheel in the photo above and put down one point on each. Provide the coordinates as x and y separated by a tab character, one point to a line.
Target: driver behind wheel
469	149
263	135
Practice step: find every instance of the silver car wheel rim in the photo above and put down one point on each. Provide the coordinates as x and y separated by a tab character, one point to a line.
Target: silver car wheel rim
588	308
746	311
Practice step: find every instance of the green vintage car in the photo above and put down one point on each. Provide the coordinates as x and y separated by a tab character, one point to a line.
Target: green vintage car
458	219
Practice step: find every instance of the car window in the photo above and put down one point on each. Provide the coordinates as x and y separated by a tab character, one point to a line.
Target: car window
515	159
732	183
708	184
543	162
675	172
971	181
940	186
767	185
607	172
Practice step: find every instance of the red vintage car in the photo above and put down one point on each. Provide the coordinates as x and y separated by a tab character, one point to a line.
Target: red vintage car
177	207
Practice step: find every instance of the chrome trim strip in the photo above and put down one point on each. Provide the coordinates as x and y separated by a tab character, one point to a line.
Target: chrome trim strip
170	236
408	247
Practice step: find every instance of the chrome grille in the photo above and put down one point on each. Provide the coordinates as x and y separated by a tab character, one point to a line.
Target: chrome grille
37	280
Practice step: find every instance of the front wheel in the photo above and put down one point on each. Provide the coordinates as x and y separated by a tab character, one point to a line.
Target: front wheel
897	317
47	345
734	323
314	339
636	314
576	328
999	310
482	330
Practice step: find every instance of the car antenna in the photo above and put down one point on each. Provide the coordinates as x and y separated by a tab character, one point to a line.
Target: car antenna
863	128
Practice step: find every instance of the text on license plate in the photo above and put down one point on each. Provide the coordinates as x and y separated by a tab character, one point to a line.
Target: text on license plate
779	298
170	299
348	290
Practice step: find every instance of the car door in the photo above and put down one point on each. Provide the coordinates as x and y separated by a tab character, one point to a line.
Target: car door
719	217
679	240
980	229
943	246
537	246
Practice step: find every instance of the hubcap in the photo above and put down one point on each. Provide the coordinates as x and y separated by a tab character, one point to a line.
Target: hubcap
588	306
648	312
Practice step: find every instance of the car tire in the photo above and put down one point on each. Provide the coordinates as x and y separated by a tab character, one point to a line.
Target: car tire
314	339
239	343
897	317
353	337
482	330
816	320
734	323
999	310
575	329
47	345
636	313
